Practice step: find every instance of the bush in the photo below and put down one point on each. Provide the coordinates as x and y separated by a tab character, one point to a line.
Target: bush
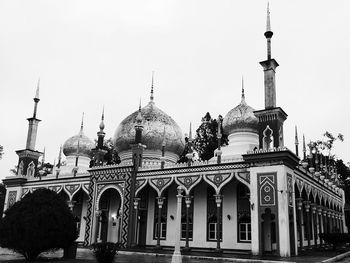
335	238
105	252
39	222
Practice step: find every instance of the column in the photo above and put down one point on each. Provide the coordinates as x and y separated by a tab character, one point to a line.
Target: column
320	223
177	258
159	229
315	221
71	204
330	225
300	214
188	205
136	209
308	222
218	200
97	224
325	225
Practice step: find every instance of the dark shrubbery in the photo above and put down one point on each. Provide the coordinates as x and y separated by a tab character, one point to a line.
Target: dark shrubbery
105	252
335	238
39	222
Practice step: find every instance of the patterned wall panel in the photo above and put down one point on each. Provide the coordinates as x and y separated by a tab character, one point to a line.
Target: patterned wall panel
188	181
290	189
72	188
11	198
267	189
55	188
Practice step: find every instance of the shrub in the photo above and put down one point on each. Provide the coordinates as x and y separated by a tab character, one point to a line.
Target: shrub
105	251
335	238
39	222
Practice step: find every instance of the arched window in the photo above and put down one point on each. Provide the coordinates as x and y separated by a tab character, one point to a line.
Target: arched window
163	218
212	216
268	138
31	169
243	214
20	168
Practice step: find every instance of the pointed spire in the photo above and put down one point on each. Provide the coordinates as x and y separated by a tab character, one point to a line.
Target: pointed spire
37	91
82	125
164	141
243	95
102	125
190	133
152	97
139	115
268	22
43	158
296	142
304	148
59	157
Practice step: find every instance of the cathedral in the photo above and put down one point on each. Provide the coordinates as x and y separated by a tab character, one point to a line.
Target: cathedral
254	196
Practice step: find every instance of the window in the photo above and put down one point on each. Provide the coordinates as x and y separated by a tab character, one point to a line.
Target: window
162	230
245	232
243	213
163	218
183	231
212	216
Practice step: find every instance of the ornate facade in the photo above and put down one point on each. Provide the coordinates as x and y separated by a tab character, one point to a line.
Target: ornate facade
254	195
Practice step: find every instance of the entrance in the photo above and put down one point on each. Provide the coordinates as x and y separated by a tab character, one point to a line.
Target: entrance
268	232
110	219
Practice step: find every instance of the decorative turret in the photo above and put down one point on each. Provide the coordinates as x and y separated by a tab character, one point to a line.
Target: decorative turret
271	118
28	158
99	152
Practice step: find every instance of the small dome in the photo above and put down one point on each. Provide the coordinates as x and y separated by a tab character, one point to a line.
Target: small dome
80	144
240	119
157	125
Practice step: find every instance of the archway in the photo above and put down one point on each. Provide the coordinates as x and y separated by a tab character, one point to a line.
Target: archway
110	217
268	231
80	202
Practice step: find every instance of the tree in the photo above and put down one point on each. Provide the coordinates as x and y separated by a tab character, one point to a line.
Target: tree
206	140
39	222
111	157
1	151
2	198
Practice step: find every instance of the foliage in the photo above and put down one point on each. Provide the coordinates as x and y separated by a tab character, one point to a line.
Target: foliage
206	140
1	151
335	239
39	222
111	157
105	251
2	198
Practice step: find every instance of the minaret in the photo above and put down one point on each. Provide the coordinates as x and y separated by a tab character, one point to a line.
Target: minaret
101	134
271	118
296	142
189	155
28	158
304	148
152	97
33	122
269	66
219	134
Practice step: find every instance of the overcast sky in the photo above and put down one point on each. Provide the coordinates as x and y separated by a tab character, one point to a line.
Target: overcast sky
94	53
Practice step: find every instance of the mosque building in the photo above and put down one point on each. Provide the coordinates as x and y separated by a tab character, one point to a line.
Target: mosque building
254	196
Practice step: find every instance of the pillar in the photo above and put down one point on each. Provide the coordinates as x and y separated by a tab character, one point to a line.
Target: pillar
315	222
218	200
320	222
308	222
188	205
300	214
330	225
160	206
177	258
136	209
325	225
97	224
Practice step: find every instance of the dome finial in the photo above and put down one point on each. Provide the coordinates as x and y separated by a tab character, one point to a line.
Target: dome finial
82	124
139	115
164	136
190	132
102	125
37	90
152	97
243	96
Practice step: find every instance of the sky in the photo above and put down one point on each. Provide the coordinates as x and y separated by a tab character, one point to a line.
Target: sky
94	54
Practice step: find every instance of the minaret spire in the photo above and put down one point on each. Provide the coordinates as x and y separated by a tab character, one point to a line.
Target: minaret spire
82	125
102	125
152	97
101	134
190	133
304	148
296	142
268	34
243	95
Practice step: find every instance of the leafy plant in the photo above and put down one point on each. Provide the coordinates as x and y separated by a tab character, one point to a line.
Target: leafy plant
105	251
39	222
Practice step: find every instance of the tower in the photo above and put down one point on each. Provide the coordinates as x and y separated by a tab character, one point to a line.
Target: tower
271	118
28	158
99	152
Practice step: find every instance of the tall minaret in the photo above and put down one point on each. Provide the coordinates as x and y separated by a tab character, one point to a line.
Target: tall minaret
33	122
28	158
269	67
271	118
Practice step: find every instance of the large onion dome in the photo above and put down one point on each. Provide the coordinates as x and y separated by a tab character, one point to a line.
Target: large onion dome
78	144
240	119
158	129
